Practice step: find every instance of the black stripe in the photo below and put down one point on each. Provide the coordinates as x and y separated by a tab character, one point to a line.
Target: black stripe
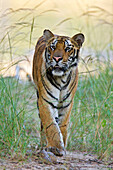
40	41
68	81
77	55
68	94
68	43
74	52
63	81
73	65
37	99
52	81
41	127
60	114
57	120
57	107
37	94
73	85
65	97
47	89
50	125
56	82
46	53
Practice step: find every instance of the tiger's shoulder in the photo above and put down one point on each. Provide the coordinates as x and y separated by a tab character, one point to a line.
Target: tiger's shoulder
40	45
38	59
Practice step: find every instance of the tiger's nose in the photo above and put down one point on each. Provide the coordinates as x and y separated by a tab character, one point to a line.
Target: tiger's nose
57	59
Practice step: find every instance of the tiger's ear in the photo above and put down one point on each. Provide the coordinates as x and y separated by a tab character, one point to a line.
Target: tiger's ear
79	38
48	34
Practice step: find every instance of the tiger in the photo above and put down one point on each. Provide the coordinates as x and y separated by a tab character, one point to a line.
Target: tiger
55	75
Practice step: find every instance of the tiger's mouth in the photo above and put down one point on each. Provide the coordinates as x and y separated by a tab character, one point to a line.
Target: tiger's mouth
58	70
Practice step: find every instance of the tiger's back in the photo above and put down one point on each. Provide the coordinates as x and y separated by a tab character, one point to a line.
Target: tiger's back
55	75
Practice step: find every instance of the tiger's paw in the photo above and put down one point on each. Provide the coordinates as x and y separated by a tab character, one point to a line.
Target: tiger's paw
47	157
56	151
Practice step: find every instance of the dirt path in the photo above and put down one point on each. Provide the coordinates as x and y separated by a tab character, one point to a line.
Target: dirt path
72	161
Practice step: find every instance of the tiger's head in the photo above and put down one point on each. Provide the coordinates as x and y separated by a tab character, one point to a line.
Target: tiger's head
62	52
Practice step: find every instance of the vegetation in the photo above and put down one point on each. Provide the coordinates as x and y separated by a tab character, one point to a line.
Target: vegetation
91	124
18	128
92	117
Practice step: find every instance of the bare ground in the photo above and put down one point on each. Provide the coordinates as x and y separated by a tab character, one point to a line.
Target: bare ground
72	161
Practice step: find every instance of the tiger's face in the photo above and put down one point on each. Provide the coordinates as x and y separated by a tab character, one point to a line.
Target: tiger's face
61	53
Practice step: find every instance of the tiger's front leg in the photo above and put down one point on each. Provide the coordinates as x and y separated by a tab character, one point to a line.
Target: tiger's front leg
64	118
51	129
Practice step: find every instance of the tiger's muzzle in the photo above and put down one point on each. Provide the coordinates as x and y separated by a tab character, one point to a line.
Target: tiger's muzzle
60	68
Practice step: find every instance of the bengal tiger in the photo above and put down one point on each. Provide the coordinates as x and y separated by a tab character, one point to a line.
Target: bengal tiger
55	75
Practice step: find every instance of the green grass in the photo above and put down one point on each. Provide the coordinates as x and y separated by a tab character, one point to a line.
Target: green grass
92	116
18	126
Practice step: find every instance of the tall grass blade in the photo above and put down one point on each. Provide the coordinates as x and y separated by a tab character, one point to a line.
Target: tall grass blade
10	47
32	26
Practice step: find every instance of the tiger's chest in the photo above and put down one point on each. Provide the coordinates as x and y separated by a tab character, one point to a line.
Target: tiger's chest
60	90
57	91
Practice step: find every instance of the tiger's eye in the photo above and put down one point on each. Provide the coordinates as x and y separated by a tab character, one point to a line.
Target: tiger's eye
68	49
